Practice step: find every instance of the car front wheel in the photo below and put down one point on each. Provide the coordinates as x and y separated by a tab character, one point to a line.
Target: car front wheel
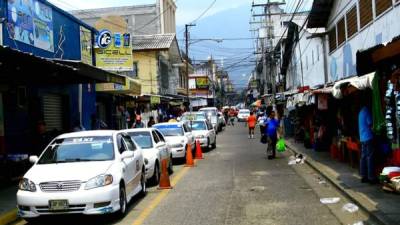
156	177
122	201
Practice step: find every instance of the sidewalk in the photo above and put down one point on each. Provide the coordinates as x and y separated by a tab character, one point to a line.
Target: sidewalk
382	205
8	211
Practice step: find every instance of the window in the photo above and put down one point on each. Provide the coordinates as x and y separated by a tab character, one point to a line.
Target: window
120	144
382	5
155	137
332	39
312	56
135	72
351	19
129	143
341	32
160	136
365	7
307	62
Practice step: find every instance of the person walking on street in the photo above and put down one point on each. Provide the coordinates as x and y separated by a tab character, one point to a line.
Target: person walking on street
251	120
138	122
367	150
271	130
231	117
151	122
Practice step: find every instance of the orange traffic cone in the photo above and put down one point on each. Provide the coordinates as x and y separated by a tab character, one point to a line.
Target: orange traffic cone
199	153
189	157
164	178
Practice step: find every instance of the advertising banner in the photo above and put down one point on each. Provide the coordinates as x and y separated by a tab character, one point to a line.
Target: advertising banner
202	82
155	100
86	45
31	22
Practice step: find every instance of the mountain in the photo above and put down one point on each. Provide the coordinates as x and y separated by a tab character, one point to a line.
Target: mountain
229	24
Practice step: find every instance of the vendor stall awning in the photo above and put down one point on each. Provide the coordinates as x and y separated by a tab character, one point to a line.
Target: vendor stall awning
324	90
17	67
360	83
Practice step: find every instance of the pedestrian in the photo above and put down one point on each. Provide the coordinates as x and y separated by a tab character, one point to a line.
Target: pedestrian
138	122
251	120
261	122
367	150
232	117
151	122
271	130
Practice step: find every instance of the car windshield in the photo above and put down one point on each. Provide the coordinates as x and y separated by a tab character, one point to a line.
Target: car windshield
143	139
198	125
190	117
170	130
79	149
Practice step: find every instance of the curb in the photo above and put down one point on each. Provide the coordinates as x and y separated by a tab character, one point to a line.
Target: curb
376	215
8	217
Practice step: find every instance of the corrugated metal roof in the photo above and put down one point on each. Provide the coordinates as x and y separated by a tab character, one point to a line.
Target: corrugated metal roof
152	42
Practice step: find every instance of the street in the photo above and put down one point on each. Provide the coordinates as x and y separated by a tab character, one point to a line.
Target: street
235	184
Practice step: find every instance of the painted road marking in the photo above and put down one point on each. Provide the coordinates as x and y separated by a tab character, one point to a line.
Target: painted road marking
156	201
8	217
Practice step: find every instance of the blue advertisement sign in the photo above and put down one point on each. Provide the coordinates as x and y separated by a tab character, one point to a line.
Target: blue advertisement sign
31	22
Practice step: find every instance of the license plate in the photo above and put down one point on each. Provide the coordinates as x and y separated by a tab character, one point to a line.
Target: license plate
58	205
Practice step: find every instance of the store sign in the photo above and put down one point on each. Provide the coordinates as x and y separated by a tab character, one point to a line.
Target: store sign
202	82
86	46
114	54
31	22
155	100
253	84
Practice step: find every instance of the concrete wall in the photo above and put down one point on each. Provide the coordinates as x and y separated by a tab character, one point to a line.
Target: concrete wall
306	61
147	71
342	61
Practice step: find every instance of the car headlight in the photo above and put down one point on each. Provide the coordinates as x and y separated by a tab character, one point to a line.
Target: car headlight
26	185
177	146
99	181
146	161
200	136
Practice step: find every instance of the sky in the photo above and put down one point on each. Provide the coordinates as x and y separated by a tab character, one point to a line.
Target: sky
190	10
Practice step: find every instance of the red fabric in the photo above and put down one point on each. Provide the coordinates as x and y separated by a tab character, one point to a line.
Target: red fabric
251	120
393	174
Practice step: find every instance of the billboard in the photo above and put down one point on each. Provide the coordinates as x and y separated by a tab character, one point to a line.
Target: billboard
31	22
114	52
202	82
86	45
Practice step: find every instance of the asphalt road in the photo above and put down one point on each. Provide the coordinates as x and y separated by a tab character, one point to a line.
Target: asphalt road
235	184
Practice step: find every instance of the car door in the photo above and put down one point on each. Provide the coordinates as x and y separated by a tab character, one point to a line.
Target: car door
188	134
136	162
164	150
128	169
211	131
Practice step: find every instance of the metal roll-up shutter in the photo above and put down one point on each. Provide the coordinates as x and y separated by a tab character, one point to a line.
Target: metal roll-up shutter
52	111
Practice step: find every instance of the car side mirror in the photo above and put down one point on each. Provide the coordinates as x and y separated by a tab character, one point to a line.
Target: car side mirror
33	159
127	154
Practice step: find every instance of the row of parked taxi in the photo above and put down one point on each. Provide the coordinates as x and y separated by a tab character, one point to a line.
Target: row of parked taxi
99	172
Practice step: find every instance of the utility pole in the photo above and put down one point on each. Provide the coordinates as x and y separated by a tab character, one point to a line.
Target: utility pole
187	58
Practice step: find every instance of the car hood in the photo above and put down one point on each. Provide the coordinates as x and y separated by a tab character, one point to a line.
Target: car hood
199	132
175	139
82	171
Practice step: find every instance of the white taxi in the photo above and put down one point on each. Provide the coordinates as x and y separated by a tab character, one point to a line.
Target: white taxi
204	132
178	136
89	172
154	148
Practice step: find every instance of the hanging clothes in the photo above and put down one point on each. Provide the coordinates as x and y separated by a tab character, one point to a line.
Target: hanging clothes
377	113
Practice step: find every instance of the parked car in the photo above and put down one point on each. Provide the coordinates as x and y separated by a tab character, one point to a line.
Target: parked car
189	116
221	120
178	136
154	148
89	172
204	132
212	115
243	114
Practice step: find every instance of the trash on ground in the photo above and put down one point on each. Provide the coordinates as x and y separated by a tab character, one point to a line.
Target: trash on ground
390	178
350	207
322	182
297	159
257	188
329	200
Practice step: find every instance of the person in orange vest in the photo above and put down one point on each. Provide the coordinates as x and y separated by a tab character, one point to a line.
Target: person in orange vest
251	122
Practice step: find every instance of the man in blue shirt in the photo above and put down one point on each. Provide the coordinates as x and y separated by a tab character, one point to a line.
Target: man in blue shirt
367	150
271	130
